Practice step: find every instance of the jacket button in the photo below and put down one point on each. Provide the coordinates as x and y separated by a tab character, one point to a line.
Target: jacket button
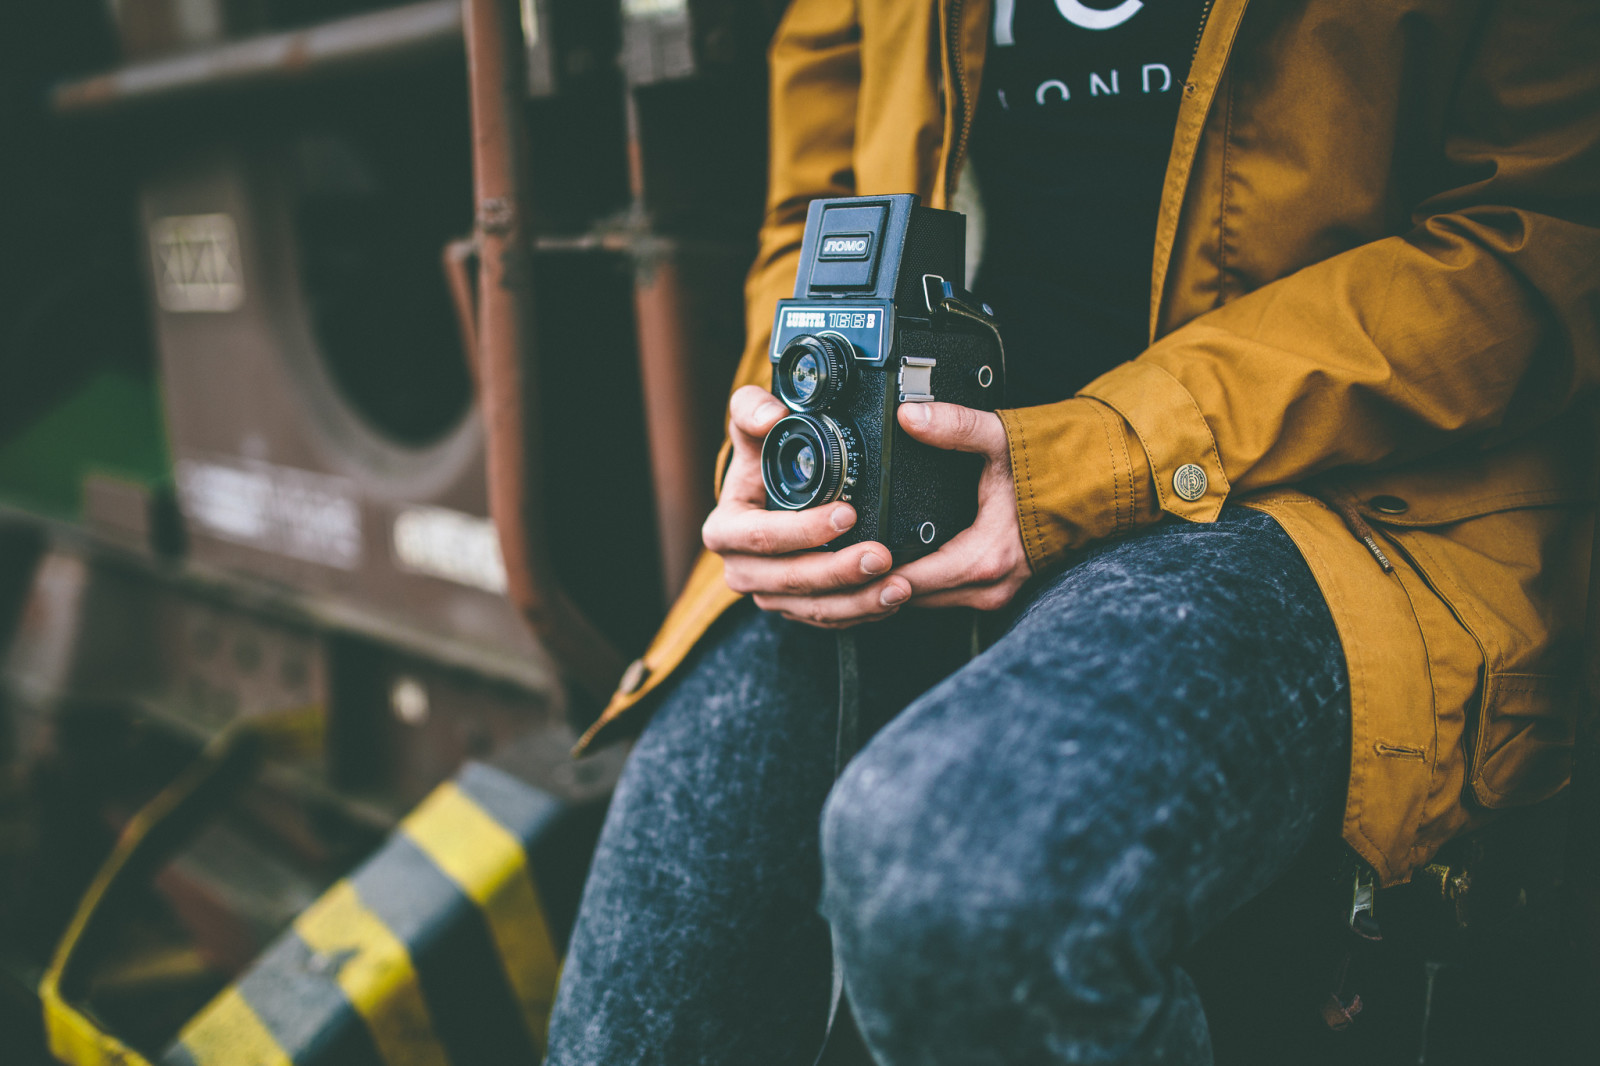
1388	505
1189	482
633	678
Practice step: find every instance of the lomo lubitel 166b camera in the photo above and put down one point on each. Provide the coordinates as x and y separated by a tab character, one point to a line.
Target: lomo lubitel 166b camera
878	319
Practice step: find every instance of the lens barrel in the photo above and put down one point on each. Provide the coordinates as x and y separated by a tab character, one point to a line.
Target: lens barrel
805	461
812	370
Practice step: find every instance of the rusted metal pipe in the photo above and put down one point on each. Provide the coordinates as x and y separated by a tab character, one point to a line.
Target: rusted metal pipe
394	35
681	476
460	261
504	330
679	465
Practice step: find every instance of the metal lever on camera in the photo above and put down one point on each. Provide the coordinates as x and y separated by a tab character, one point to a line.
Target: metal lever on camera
943	298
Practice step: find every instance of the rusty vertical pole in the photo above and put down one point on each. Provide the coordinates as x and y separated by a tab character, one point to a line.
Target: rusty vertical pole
666	369
507	370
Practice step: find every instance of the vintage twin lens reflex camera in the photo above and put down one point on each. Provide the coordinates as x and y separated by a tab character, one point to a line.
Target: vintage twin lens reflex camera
878	319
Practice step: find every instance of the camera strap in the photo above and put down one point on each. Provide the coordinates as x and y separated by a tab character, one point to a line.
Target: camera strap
847	739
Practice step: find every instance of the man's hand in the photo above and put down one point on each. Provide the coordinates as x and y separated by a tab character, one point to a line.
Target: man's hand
985	564
765	552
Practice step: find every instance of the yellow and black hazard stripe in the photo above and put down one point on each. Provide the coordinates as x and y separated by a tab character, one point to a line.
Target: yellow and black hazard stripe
435	952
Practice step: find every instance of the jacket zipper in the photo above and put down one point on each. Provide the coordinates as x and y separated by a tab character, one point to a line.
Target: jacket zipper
1205	16
1358	525
958	93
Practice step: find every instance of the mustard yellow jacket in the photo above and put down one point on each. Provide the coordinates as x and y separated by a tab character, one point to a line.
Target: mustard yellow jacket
1373	315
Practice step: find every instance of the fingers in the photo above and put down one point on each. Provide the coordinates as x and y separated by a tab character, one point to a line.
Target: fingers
752	411
956	428
735	529
806	573
975	569
978	597
841	609
952	568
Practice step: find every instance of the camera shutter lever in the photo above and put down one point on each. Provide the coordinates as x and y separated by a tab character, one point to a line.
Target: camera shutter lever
916	379
941	295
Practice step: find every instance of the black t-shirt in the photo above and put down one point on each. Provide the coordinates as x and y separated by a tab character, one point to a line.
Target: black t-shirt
1070	145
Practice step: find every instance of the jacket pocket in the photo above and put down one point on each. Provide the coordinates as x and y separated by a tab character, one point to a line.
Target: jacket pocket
1503	538
1523	749
1516	579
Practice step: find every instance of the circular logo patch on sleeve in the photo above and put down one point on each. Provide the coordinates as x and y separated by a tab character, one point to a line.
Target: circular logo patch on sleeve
1189	482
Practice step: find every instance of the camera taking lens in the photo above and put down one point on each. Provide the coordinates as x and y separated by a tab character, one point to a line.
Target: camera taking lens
806	460
813	370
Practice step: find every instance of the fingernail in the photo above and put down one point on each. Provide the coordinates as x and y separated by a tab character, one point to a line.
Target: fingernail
842	518
768	411
917	415
892	595
873	563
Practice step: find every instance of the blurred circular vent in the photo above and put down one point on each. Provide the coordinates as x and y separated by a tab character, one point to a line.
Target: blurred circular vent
371	213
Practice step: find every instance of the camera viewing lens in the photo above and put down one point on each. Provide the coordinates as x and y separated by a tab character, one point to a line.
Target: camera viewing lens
813	369
803	461
804	376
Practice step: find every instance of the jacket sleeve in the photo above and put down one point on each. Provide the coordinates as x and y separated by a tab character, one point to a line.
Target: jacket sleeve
1476	325
815	64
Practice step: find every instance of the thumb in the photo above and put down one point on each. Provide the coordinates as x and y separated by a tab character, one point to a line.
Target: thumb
953	427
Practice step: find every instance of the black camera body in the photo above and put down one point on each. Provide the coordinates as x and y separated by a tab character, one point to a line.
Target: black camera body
878	319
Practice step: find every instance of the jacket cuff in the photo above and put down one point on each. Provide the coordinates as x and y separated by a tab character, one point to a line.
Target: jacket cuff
1173	434
1080	476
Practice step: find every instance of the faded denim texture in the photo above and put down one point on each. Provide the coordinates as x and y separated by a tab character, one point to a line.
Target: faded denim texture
1011	864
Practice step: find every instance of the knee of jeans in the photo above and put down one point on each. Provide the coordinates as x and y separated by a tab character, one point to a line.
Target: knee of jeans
927	902
892	850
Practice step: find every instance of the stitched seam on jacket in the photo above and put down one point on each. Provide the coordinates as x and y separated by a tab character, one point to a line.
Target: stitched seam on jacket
1116	487
1121	434
1432	762
1222	206
1527	682
1459	605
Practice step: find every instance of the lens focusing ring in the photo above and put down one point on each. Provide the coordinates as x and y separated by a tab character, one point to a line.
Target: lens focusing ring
828	368
831	445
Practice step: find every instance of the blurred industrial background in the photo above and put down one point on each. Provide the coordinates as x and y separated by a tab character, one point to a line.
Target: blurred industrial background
361	372
245	470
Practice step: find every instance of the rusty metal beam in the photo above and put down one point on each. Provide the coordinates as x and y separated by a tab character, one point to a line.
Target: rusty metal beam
682	489
382	37
507	368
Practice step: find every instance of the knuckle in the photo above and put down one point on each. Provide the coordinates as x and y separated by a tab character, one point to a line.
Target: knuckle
763	541
743	403
709	530
793	581
738	580
992	599
989	569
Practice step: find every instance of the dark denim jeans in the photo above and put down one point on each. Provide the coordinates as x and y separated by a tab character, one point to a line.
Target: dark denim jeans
1010	866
